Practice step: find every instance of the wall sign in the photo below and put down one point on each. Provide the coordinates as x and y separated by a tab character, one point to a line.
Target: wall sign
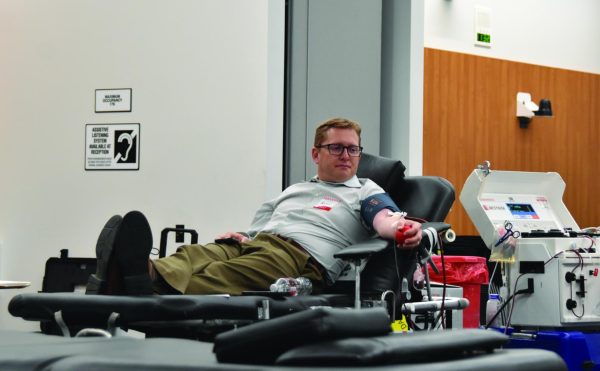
113	100
112	147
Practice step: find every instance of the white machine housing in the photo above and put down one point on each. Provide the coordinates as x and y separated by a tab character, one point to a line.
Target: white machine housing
532	202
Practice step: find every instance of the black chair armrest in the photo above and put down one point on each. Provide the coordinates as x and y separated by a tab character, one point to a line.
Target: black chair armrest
264	341
438	226
162	252
362	250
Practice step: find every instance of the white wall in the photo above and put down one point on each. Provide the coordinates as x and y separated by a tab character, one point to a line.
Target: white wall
207	90
554	33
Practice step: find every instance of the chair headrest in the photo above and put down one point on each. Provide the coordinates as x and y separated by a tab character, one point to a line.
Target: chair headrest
426	197
387	173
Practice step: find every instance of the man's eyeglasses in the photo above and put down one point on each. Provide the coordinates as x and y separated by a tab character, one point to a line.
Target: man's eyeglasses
337	149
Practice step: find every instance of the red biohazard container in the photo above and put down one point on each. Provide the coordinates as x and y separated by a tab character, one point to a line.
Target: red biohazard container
468	272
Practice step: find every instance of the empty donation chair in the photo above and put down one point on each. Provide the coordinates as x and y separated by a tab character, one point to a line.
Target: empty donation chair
319	339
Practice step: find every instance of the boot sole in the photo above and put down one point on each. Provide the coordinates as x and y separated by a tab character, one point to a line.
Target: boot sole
104	249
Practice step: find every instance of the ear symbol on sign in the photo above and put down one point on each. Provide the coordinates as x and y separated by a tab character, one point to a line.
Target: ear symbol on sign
129	139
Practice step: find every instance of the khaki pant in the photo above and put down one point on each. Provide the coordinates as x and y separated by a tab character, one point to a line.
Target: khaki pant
231	269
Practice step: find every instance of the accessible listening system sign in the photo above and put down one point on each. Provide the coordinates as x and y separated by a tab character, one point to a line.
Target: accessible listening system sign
112	147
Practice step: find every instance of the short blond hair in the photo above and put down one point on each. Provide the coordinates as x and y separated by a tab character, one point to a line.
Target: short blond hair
338	123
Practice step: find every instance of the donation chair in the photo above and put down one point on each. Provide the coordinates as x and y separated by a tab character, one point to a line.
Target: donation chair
427	198
385	269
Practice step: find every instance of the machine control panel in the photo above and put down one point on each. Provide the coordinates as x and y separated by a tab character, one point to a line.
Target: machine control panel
525	212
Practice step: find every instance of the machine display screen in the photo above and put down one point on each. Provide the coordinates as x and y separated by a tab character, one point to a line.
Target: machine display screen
522	211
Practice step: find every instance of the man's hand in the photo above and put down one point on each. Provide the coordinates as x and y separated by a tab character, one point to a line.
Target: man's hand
236	236
387	223
413	236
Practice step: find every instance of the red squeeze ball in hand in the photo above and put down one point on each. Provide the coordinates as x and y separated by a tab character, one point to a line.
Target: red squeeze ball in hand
400	235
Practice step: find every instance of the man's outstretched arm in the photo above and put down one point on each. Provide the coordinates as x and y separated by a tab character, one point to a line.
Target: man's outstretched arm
386	223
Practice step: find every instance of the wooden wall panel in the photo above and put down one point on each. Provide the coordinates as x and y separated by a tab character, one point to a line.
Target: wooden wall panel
470	116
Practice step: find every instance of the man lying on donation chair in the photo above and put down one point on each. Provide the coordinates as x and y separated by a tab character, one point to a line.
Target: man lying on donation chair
293	235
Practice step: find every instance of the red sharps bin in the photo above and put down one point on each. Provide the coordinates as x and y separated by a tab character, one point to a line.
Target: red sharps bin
468	272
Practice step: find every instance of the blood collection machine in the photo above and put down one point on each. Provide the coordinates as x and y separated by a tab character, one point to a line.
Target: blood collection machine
550	268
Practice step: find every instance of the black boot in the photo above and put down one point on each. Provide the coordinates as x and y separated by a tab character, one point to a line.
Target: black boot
132	246
98	283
